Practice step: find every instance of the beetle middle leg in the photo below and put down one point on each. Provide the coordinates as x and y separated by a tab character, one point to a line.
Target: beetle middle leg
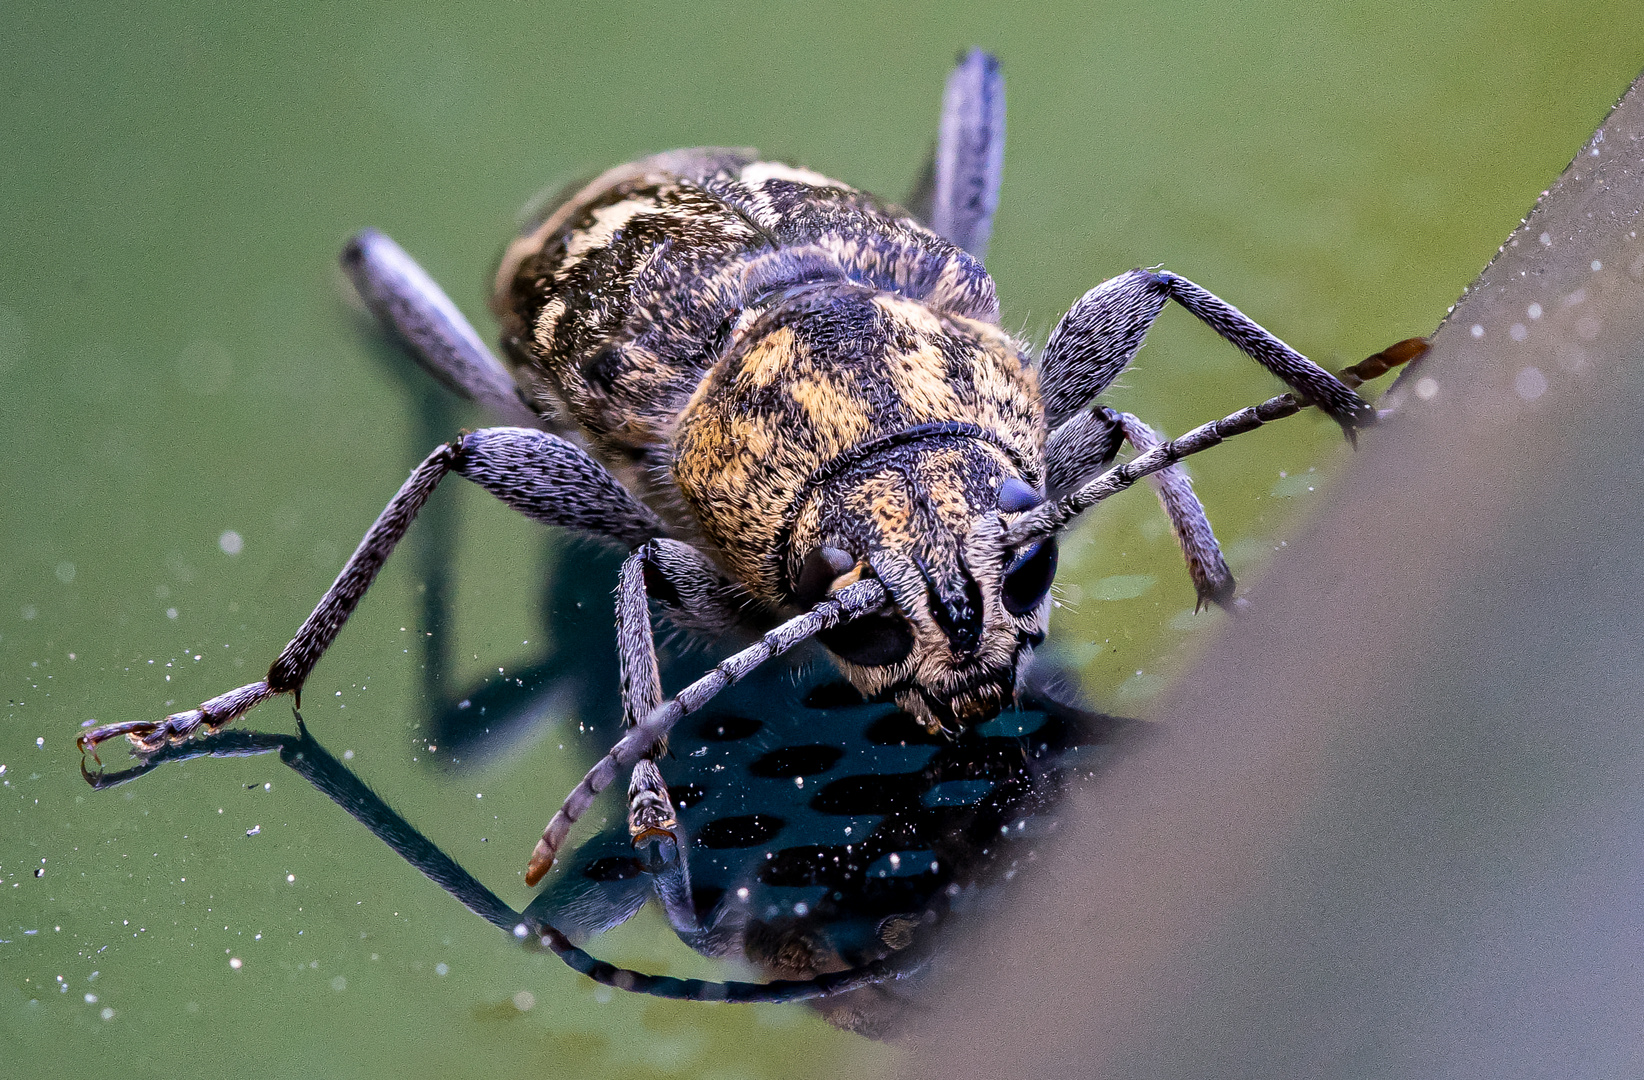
856	599
540	475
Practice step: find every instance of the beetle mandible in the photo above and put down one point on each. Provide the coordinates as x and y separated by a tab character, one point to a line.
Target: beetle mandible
793	403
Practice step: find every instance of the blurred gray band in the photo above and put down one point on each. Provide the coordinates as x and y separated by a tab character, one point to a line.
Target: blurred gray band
1393	824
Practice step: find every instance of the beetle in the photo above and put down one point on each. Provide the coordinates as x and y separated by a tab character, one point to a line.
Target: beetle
792	403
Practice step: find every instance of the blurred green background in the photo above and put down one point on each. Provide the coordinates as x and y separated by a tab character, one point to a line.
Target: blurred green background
179	359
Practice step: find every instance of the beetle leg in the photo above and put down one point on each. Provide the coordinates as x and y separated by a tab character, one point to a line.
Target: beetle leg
959	188
411	304
540	475
1212	580
1101	334
1088	443
858	598
650	810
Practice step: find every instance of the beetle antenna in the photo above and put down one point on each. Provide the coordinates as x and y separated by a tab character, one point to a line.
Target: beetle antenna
857	598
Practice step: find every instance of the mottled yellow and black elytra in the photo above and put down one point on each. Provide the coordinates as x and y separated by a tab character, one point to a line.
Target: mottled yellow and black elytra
793	405
788	364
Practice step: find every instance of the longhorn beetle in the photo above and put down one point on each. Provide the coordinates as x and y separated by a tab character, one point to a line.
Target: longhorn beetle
793	404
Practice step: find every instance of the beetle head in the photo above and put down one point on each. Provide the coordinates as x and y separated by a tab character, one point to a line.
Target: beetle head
965	612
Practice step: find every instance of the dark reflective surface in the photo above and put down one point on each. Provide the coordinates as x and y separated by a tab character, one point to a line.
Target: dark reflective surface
801	857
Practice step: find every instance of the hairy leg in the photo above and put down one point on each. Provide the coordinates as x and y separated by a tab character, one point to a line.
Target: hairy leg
539	474
1101	334
959	189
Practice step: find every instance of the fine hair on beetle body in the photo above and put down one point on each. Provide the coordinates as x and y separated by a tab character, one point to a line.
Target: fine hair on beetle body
793	404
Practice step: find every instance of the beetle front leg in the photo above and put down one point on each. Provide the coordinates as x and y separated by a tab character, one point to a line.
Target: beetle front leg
538	474
854	600
650	810
700	598
1088	443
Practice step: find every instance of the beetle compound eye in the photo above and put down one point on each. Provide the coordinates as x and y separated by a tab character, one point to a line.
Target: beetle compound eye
1015	496
871	641
1028	577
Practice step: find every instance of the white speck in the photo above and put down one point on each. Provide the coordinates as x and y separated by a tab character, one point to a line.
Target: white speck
801	908
1426	389
231	542
1518	332
268	787
477	795
254	830
289	878
1478	331
525	1001
1530	383
1597	266
348	755
91	999
442	968
742	893
171	613
799	781
520	931
432	749
107	1013
847	830
1546	240
895	860
39	742
236	963
338	983
65	572
1534	311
